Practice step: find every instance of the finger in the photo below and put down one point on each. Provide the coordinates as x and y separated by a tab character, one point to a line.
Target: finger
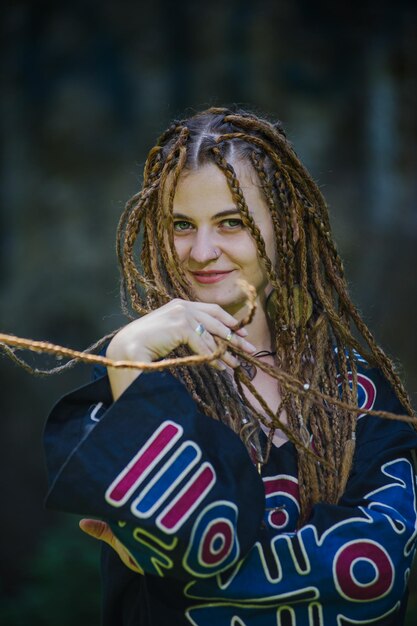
227	357
216	311
97	529
203	344
207	340
230	360
239	342
100	530
215	327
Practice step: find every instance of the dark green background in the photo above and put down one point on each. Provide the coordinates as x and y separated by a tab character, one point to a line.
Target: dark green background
85	89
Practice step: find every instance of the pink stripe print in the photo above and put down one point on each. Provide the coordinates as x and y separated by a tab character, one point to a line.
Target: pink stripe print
184	505
145	459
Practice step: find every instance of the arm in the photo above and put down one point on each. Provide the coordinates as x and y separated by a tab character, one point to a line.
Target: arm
151	467
158	333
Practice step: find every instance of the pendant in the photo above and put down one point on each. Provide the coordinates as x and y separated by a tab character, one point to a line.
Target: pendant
249	368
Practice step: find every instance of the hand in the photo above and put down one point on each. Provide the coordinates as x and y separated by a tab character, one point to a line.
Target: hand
156	334
100	530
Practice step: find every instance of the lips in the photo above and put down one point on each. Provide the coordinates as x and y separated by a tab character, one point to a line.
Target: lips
206	278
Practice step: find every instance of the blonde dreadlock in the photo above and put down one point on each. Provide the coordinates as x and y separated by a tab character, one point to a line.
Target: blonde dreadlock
311	396
221	135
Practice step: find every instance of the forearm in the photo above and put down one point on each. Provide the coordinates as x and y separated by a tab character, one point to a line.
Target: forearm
120	379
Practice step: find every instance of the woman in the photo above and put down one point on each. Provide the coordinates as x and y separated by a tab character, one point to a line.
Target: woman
256	488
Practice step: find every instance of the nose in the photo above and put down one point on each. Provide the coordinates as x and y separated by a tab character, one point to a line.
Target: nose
204	248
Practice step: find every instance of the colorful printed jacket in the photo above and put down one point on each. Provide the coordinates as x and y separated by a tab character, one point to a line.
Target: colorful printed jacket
216	542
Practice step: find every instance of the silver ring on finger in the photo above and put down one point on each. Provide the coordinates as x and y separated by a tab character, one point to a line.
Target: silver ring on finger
229	335
200	329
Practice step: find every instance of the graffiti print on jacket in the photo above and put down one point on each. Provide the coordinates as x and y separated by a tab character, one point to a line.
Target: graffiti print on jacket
343	576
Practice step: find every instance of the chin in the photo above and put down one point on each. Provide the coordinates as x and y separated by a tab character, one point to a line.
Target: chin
229	301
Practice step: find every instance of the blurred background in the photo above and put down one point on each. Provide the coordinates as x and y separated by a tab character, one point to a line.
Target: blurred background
86	88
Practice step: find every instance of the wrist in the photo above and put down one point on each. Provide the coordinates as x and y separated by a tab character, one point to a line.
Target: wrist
115	350
120	350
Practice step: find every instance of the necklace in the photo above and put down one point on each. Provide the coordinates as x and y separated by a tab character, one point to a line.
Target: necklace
251	369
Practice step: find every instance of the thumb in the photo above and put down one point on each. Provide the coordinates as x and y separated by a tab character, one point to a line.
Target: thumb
100	530
96	528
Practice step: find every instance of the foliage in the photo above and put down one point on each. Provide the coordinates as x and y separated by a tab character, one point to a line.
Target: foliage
62	583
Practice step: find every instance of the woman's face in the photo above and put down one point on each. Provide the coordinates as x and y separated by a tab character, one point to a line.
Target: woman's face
214	247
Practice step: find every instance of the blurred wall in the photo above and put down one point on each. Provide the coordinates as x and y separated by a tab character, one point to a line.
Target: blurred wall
86	88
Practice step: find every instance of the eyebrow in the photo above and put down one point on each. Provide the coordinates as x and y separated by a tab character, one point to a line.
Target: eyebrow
221	214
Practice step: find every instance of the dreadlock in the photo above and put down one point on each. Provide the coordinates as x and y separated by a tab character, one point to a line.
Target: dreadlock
317	348
314	323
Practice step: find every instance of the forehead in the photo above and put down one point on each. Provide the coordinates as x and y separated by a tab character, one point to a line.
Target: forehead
206	189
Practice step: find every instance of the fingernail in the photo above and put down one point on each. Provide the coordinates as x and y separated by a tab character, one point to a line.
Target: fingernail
243	332
85	528
250	346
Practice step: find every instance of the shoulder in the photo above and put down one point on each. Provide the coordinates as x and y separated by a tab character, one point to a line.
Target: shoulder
373	432
374	390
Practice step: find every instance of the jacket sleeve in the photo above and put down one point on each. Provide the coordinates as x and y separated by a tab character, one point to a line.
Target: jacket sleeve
178	489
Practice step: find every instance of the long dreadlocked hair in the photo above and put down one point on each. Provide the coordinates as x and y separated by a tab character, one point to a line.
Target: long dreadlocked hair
319	348
313	320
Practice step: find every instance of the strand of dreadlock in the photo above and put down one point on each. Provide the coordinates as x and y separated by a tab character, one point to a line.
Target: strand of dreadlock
283	146
377	354
130	273
325	293
320	424
131	278
192	379
166	136
335	417
348	437
177	276
296	386
248	220
307	457
312	214
316	426
345	425
292	384
291	322
327	303
273	422
10	352
280	317
132	230
152	225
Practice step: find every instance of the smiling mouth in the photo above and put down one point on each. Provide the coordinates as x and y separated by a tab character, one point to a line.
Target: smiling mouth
211	276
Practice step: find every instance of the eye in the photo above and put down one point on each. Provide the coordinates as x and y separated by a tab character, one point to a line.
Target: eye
232	223
181	225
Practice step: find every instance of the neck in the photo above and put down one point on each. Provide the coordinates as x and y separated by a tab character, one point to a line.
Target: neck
258	329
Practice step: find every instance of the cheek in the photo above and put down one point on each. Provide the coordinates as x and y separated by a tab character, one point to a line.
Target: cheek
178	246
243	249
181	247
